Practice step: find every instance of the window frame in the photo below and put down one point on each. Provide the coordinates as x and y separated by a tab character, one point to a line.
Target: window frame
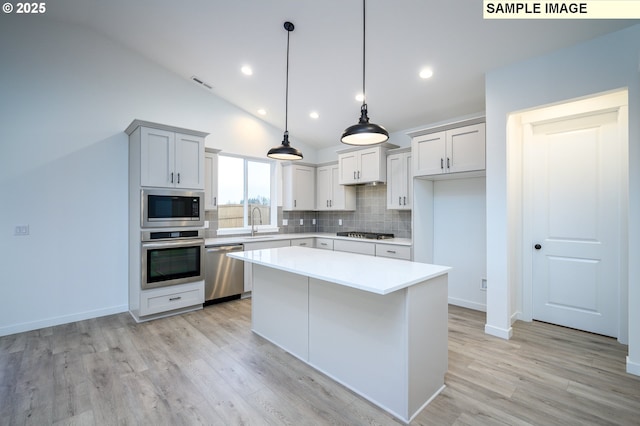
246	228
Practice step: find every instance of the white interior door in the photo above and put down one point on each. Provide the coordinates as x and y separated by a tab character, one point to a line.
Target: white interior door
575	220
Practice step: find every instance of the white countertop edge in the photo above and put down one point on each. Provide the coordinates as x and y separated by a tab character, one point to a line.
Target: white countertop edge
245	239
360	259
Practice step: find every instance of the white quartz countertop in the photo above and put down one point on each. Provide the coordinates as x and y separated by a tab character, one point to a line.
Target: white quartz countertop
242	239
368	273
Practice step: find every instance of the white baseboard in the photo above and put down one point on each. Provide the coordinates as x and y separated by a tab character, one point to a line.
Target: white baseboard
467	304
633	367
498	332
65	319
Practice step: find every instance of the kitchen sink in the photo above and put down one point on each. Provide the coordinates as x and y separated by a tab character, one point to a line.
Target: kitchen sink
261	237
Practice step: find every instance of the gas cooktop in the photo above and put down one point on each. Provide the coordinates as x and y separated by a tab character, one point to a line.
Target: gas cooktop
367	235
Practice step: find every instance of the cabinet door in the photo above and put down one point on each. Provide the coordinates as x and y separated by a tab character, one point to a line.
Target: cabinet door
210	181
157	157
429	154
396	181
323	188
408	178
299	187
348	163
189	161
466	148
371	169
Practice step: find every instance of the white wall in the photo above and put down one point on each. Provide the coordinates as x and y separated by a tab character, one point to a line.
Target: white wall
459	238
603	64
66	96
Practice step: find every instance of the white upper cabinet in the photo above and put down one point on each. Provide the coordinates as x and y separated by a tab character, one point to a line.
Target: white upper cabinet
168	157
452	151
299	187
330	195
399	181
211	179
363	166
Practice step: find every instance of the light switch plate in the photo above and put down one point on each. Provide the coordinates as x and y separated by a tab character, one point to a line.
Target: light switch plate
285	222
301	221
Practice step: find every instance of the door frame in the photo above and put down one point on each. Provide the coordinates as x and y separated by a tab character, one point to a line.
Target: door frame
520	191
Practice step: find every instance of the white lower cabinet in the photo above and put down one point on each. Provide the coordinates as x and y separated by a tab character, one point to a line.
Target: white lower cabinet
360	247
303	242
164	299
259	245
324	243
393	251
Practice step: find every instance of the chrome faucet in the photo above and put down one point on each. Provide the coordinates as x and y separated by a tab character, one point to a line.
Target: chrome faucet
253	231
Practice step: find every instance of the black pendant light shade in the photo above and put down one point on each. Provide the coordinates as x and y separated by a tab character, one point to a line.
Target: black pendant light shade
364	133
286	151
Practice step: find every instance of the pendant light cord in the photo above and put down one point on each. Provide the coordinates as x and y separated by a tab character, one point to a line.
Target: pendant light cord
364	37
286	98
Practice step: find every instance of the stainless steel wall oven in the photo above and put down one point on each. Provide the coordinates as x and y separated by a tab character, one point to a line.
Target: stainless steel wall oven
171	257
171	208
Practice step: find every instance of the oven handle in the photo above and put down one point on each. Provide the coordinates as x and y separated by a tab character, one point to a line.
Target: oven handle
167	244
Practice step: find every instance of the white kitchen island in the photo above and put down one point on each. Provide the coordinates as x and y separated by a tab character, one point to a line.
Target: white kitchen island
376	325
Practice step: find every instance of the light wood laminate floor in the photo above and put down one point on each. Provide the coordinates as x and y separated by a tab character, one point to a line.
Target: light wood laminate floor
207	367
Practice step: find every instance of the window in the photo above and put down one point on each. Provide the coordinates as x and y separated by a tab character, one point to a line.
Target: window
245	186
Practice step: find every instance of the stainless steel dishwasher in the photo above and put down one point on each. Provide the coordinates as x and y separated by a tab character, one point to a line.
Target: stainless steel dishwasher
224	276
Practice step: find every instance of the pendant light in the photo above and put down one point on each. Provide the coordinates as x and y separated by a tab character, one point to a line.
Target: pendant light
286	151
364	133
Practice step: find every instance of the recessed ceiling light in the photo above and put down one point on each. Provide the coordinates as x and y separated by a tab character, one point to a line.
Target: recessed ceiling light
426	73
262	111
359	97
246	70
314	114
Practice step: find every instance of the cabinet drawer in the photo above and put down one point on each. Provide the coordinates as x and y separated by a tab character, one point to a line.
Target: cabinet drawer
302	242
169	298
354	247
324	243
396	252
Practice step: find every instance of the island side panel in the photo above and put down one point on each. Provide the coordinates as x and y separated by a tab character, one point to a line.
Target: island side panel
279	309
359	339
428	341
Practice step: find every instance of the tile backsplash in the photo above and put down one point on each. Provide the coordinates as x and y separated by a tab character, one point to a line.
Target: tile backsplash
371	215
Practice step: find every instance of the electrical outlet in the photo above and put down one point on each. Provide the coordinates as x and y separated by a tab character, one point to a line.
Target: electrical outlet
339	222
483	284
301	221
21	230
313	221
285	222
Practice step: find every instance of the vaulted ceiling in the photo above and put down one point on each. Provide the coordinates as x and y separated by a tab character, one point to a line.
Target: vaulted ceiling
213	39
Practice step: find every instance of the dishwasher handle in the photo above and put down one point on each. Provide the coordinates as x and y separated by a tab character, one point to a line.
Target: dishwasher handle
215	249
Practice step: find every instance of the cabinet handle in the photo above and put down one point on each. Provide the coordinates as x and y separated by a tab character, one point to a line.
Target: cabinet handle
323	244
295	203
358	174
173	299
399	201
303	244
215	201
405	200
171	177
448	163
442	163
330	203
354	175
327	203
391	251
178	177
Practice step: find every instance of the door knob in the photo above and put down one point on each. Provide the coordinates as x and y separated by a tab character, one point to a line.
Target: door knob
537	247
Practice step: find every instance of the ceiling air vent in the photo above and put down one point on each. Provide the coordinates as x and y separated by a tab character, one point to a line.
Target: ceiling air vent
201	83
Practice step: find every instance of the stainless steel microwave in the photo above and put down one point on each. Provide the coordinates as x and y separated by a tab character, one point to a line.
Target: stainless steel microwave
171	208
